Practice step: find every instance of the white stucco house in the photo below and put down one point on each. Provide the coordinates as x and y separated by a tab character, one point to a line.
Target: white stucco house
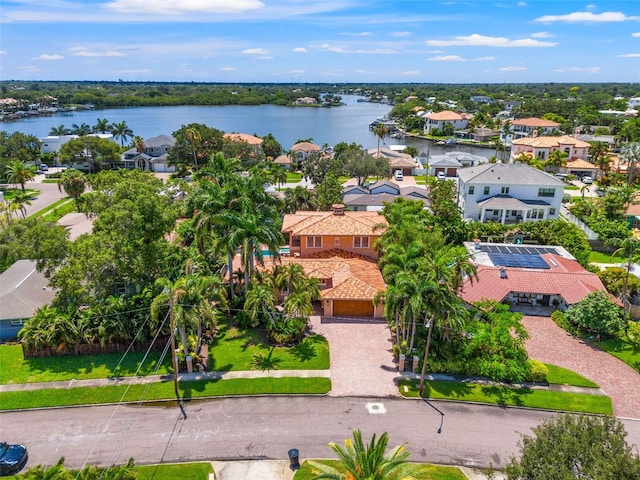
542	147
439	119
154	157
508	193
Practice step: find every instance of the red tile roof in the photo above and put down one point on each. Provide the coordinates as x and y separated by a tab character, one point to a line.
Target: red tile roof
328	223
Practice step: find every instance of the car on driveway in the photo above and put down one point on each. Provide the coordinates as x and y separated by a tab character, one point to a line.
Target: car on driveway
441	176
587	180
44	167
398	175
13	458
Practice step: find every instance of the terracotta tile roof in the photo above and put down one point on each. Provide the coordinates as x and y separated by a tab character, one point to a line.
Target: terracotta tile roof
283	160
550	142
328	223
535	122
445	115
244	137
581	164
573	286
306	147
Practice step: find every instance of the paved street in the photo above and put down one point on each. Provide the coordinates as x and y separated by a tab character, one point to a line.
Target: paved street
266	428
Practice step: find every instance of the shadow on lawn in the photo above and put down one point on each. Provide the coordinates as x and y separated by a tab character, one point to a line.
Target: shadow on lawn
506	395
306	350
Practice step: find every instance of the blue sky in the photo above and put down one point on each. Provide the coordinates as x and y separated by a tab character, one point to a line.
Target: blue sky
321	40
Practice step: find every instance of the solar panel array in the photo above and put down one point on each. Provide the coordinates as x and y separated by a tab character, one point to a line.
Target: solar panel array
518	256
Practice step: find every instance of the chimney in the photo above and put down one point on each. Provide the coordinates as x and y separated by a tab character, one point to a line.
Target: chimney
338	209
503	273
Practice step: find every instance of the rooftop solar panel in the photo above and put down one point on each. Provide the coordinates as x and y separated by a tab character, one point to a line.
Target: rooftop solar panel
518	260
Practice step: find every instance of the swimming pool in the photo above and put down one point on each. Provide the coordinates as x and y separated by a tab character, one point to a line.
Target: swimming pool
283	251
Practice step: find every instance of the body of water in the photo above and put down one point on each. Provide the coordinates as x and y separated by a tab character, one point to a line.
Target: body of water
348	123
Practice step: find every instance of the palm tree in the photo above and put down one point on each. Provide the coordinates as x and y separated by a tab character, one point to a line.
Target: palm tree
60	130
138	143
357	461
121	130
19	172
279	175
630	156
599	156
19	200
380	131
555	160
102	126
628	248
261	302
299	198
194	138
74	183
81	130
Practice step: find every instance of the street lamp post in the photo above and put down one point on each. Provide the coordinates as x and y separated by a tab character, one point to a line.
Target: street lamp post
429	326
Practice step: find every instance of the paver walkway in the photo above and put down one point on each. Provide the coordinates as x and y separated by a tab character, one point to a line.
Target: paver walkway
361	357
551	344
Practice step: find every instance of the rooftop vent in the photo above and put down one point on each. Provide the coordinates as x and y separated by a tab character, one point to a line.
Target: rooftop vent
503	273
338	208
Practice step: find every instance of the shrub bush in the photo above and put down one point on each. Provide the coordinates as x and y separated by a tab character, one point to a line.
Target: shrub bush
538	372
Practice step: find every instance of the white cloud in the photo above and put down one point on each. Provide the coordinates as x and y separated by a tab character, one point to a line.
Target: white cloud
227	69
255	51
458	58
359	51
29	68
132	71
629	55
513	68
2	52
589	17
400	34
46	56
296	72
300	50
360	34
542	35
578	69
100	52
175	7
522	4
476	40
410	73
635	34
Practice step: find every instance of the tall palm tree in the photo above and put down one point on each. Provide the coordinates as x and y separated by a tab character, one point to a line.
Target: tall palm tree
102	126
380	131
18	202
81	130
19	172
279	175
555	160
630	156
357	461
628	248
121	131
74	183
139	144
299	198
60	130
194	138
261	302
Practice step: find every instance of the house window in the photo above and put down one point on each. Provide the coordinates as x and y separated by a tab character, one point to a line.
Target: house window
546	192
552	211
536	213
17	323
360	242
314	242
504	190
471	189
487	190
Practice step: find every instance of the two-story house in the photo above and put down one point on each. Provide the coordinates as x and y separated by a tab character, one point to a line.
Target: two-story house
528	127
155	156
542	147
439	119
255	142
337	248
508	193
302	150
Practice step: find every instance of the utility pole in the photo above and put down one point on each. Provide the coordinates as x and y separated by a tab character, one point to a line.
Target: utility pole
174	358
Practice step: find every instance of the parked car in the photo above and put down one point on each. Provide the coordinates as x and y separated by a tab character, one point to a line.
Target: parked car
441	176
44	167
13	458
39	172
398	175
587	180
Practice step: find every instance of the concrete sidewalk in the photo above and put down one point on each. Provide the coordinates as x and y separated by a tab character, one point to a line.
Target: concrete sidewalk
183	377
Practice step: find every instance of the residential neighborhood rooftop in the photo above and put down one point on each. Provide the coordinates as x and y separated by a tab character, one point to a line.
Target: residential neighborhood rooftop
507	173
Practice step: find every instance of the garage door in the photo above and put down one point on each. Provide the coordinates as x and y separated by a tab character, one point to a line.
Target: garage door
352	308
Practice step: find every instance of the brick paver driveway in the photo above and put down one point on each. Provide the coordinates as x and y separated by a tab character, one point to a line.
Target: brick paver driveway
361	357
550	344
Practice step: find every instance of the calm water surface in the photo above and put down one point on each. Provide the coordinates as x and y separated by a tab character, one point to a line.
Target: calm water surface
348	123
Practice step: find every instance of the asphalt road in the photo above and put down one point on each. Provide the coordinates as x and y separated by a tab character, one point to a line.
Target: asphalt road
266	428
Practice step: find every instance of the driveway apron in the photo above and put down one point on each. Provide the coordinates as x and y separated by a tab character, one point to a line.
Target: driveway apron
551	344
361	357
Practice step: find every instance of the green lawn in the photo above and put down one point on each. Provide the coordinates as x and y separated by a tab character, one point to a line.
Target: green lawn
599	257
562	376
235	349
58	210
621	349
293	177
163	391
14	368
174	471
509	396
427	472
9	192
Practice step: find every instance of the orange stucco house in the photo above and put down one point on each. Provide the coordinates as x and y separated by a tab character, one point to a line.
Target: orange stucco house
337	248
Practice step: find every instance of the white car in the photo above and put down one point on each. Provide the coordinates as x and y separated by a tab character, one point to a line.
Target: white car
587	180
398	175
44	167
441	176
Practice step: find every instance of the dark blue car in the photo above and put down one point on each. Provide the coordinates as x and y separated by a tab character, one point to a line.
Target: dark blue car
13	458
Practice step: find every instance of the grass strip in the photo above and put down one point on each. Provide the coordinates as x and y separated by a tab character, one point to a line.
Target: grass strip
234	349
509	396
163	391
59	212
562	376
174	471
51	207
601	257
293	177
427	472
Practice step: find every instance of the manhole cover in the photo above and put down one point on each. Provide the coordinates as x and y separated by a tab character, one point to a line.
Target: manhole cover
375	408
